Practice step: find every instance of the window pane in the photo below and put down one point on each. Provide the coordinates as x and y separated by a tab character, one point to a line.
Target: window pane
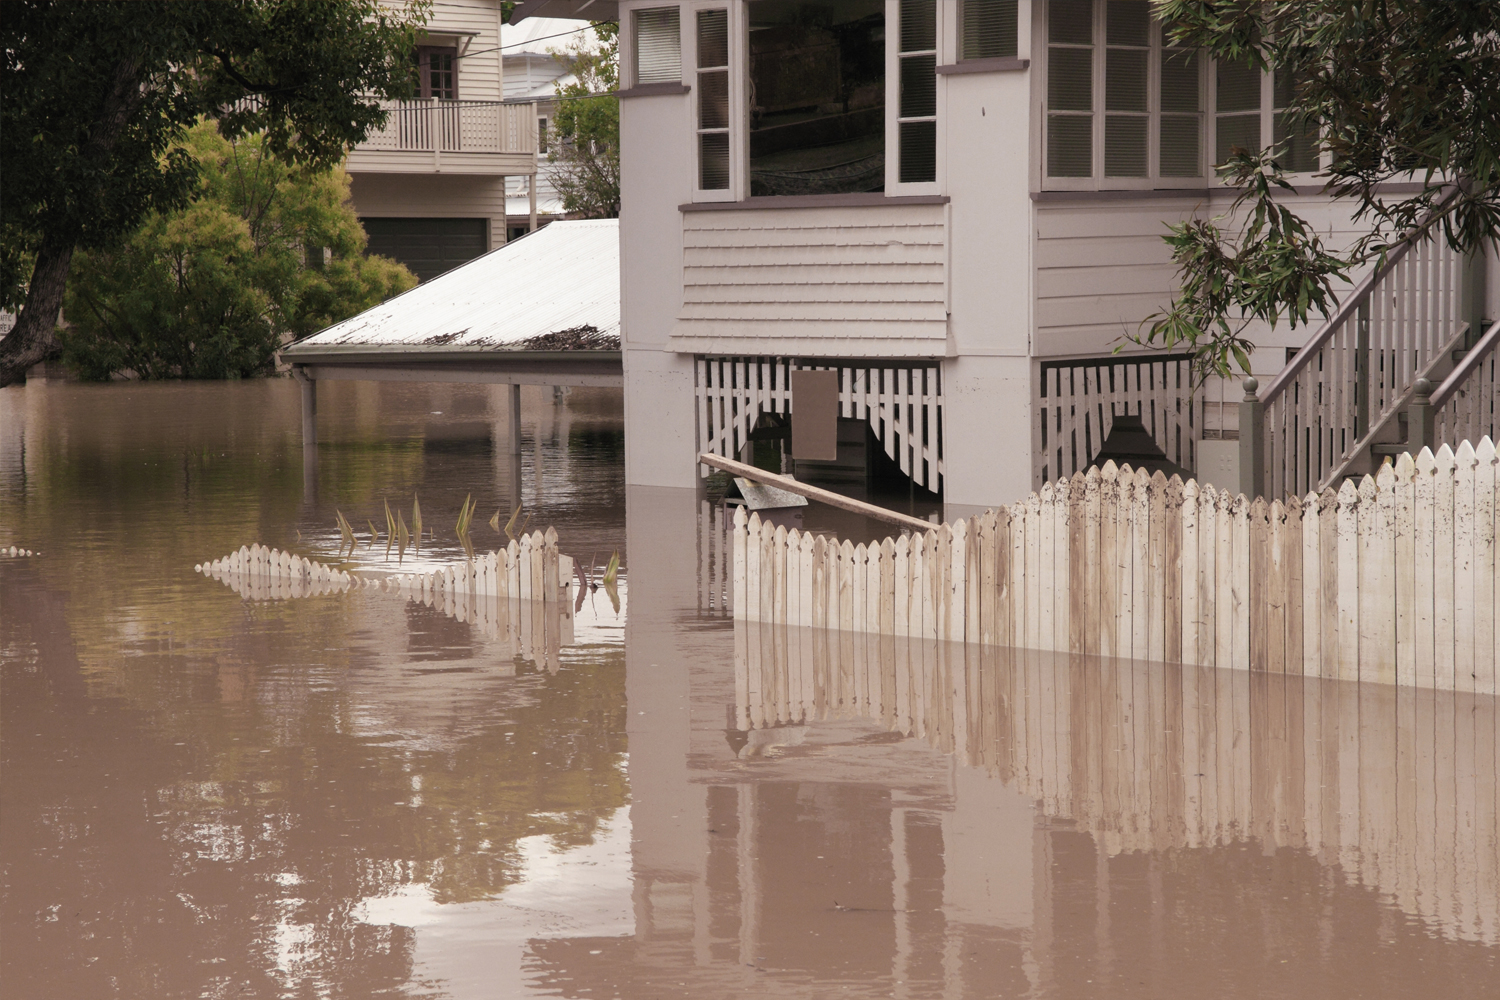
1284	87
1125	145
1070	22
1128	22
918	152
658	46
1070	146
918	25
1239	88
1180	145
988	29
1236	130
918	86
713	99
713	38
713	161
1179	80
1070	79
817	97
1125	79
1297	148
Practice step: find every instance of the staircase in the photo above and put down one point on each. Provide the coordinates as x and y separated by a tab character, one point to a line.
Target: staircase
1341	405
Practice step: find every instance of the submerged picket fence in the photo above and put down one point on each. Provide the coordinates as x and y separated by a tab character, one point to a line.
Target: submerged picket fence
1391	580
529	569
518	595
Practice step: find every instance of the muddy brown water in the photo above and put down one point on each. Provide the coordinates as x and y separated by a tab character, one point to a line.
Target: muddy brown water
356	795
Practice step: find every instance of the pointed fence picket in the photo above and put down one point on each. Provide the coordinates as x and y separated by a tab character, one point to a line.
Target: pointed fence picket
1393	578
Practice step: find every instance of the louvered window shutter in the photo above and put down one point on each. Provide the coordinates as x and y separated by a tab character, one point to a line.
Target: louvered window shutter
658	46
1237	109
1296	145
917	120
987	29
1181	126
1127	55
1070	88
713	99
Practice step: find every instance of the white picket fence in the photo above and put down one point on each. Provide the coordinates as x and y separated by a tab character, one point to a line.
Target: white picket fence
1378	782
519	595
1393	580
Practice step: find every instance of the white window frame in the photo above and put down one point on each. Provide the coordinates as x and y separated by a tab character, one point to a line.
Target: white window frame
628	54
739	155
947	47
1208	144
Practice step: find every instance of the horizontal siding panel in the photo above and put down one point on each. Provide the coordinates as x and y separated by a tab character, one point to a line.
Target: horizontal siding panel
1121	279
837	275
833	240
809	256
1098	310
910	293
1091	224
881	312
870	273
1103	251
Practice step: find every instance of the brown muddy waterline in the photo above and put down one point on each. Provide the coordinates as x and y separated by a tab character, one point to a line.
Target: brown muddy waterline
353	795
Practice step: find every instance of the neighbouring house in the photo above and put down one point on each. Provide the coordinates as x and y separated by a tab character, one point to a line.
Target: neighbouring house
430	186
958	206
534	74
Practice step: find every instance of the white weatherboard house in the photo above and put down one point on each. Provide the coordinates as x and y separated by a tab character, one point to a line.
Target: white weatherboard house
959	206
430	186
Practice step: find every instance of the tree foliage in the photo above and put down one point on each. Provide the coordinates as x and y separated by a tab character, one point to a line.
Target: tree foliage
1396	92
98	97
264	249
586	155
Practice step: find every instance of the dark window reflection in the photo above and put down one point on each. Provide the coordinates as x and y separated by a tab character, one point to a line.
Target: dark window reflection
817	97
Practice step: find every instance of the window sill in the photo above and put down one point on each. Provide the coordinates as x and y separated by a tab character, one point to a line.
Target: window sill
1003	64
654	90
862	200
1122	194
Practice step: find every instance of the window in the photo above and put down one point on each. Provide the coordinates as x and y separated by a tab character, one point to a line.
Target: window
713	99
658	46
541	134
917	118
437	72
1237	109
816	97
1296	148
987	29
1070	88
1111	56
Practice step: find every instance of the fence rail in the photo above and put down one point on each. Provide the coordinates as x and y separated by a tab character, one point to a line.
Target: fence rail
456	127
1393	580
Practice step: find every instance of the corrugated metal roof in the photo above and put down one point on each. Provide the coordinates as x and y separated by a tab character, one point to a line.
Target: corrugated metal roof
559	278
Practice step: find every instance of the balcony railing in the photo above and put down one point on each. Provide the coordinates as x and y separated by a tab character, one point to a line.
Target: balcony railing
456	127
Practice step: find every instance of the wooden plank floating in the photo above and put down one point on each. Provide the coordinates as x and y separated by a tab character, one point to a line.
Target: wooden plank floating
1392	579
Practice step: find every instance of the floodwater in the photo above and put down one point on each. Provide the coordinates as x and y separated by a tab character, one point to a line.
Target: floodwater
355	794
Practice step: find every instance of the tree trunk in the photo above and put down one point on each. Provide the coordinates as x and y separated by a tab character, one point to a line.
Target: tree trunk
30	340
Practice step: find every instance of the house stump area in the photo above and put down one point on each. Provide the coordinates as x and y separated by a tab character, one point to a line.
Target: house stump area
1391	580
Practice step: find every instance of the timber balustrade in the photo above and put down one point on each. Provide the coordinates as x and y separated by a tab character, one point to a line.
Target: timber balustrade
1391	579
518	594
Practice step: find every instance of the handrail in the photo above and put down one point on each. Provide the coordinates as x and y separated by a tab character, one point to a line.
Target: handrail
1346	308
1470	361
814	493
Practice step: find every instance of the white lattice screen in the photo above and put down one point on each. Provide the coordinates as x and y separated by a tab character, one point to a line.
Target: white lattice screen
903	404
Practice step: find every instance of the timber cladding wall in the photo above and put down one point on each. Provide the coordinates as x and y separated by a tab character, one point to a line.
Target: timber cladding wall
1393	580
847	281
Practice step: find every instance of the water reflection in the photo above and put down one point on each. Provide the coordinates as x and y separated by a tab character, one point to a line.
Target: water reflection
355	794
1395	788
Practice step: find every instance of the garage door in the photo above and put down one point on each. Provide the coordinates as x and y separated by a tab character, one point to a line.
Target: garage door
428	246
